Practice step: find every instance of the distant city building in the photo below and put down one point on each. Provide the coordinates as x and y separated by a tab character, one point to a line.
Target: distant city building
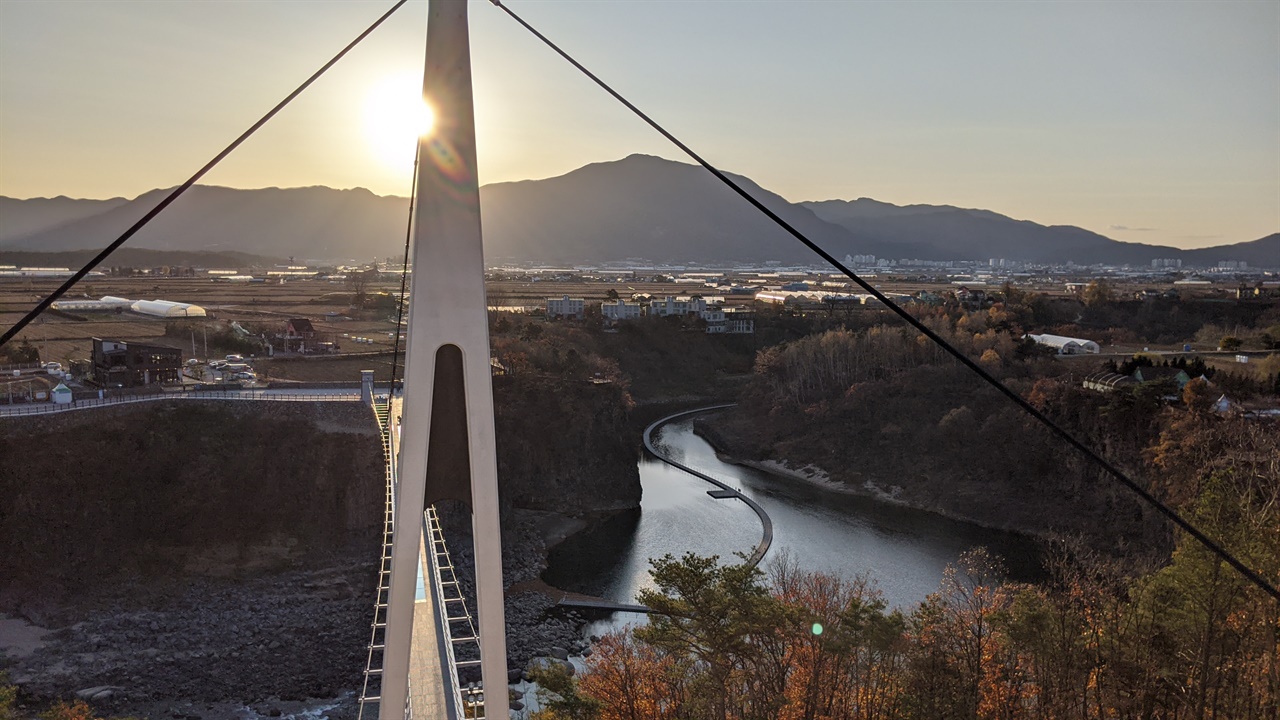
130	364
677	306
1232	265
720	320
739	321
1166	263
613	312
566	307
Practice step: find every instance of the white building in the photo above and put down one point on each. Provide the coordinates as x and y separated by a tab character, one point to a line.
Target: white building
714	316
677	306
107	303
614	312
167	309
1066	345
739	321
566	307
62	394
719	318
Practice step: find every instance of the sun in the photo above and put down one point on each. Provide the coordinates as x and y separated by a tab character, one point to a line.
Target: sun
395	116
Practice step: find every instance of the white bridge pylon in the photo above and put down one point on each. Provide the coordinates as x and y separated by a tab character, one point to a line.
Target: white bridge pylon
447	442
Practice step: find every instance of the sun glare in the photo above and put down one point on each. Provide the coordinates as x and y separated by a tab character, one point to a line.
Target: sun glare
395	116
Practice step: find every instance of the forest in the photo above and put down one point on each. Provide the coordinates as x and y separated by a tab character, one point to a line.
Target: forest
1104	637
1133	620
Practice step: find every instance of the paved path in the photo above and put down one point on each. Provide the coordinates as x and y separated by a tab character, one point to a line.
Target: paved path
428	696
725	492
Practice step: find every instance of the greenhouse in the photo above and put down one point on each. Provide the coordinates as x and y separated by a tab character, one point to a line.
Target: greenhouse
167	309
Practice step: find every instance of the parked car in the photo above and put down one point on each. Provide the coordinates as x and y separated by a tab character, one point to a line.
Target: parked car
53	368
235	358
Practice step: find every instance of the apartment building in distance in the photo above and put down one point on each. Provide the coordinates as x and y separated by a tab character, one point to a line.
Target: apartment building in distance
566	308
616	311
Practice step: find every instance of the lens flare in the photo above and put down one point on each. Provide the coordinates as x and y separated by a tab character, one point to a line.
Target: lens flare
395	117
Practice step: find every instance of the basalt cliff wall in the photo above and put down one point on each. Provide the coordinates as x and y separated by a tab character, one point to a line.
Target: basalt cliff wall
204	487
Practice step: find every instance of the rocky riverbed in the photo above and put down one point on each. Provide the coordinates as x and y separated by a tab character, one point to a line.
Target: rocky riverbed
174	563
278	643
207	648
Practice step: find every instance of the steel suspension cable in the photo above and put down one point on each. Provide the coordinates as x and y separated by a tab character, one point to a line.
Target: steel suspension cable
968	362
404	275
178	191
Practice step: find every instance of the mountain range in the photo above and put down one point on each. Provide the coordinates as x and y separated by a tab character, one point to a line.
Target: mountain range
640	207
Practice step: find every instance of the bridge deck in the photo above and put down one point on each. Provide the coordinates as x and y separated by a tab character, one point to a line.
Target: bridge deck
428	695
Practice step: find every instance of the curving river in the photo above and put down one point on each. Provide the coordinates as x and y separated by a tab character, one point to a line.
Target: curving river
902	551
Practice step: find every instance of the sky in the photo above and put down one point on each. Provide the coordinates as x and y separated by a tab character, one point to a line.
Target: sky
1155	122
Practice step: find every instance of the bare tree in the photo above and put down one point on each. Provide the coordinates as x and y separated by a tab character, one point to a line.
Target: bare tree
358	282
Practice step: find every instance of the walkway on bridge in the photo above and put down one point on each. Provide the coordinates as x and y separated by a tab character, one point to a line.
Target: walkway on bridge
431	675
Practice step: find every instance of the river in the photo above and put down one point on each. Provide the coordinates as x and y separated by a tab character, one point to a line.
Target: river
902	551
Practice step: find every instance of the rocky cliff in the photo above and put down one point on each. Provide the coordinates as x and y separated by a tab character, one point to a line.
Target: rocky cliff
184	485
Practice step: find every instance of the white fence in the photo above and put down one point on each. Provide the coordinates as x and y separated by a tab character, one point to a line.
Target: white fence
45	408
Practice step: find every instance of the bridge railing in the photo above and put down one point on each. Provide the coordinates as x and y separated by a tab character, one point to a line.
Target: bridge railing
46	408
371	690
452	607
455	621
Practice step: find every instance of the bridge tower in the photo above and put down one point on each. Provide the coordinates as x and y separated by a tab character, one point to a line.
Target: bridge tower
447	447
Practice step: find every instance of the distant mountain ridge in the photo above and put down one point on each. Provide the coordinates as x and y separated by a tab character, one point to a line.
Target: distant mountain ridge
637	207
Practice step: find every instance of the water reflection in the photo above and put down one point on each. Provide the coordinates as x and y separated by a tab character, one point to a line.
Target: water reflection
902	551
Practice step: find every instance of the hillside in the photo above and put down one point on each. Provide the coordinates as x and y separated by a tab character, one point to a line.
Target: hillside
953	232
138	258
639	207
647	207
22	217
314	223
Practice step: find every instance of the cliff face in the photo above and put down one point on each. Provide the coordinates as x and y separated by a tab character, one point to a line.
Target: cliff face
565	446
204	487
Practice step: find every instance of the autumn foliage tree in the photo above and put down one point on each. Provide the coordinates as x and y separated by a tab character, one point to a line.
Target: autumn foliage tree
1192	639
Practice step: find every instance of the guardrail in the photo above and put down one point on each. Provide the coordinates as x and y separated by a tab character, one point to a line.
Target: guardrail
47	408
371	690
468	701
465	702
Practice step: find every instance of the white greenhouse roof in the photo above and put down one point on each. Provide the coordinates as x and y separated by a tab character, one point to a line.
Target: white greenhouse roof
166	308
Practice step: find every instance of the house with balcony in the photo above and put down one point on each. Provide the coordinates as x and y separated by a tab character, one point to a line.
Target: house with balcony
130	364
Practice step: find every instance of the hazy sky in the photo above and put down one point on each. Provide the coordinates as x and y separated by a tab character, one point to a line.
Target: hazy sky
1146	121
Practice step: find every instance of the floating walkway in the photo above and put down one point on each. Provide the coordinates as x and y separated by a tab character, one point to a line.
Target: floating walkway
724	492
